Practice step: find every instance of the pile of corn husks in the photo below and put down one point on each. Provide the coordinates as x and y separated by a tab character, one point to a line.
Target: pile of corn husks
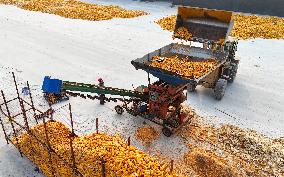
120	159
245	27
251	153
75	9
147	135
184	66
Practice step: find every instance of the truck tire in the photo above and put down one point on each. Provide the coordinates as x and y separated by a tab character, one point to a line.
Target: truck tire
220	88
119	110
232	72
167	132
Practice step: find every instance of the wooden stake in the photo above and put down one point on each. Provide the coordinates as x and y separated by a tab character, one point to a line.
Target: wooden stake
6	137
71	118
11	121
103	168
25	116
72	155
18	94
128	141
48	145
32	102
97	125
172	166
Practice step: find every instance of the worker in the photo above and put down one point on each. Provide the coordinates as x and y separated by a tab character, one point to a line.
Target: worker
102	96
101	82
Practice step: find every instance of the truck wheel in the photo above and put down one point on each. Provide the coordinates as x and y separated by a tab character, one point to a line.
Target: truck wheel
191	87
233	72
167	132
119	110
220	88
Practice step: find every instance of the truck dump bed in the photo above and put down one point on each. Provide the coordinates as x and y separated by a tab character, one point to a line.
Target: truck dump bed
194	53
204	24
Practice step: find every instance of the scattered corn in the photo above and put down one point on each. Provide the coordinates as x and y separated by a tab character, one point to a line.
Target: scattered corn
75	9
184	66
251	153
147	135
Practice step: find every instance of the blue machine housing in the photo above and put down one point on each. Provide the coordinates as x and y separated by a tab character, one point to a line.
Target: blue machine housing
51	85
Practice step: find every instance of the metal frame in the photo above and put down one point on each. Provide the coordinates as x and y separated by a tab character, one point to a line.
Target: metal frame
40	117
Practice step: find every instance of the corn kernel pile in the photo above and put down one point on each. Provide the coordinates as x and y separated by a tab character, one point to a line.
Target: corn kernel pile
208	164
182	33
243	151
245	27
75	9
167	23
183	66
120	159
147	135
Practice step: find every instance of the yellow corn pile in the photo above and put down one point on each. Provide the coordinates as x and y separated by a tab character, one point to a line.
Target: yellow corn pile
75	9
184	66
120	159
147	135
245	27
167	23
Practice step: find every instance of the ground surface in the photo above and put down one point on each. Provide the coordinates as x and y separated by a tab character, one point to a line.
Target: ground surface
35	44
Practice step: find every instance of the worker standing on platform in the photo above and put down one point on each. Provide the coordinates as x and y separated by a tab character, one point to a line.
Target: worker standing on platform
101	82
102	96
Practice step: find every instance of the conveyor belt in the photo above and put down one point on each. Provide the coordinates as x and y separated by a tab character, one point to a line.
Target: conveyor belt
107	99
81	87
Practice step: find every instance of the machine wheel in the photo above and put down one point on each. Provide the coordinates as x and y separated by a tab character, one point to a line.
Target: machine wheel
167	132
173	123
119	110
233	72
191	87
102	99
220	88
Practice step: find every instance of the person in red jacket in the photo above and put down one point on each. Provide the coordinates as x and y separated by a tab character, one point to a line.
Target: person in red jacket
101	82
